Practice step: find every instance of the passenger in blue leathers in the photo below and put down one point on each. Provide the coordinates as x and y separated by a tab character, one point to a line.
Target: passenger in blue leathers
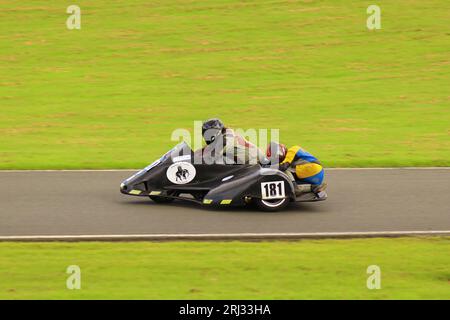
305	168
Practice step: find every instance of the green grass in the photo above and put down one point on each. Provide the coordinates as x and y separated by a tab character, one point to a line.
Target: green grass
109	95
411	268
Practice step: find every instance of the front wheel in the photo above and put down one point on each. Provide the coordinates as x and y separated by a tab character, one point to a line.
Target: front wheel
159	199
272	205
162	199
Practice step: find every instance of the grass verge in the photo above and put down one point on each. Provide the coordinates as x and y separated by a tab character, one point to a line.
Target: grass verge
411	268
110	95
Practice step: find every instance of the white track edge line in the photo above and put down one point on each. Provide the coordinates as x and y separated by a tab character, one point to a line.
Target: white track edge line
230	236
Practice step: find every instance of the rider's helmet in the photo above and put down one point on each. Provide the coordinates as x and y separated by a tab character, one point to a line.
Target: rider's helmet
211	129
275	149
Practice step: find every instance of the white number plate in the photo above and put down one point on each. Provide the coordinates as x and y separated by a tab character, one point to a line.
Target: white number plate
272	190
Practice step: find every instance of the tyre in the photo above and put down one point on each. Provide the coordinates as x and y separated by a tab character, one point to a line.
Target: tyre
162	199
272	205
159	199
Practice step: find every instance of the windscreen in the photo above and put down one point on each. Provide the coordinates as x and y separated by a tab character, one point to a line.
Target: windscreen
181	152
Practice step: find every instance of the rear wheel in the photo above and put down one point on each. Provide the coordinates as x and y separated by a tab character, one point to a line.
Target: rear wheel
272	205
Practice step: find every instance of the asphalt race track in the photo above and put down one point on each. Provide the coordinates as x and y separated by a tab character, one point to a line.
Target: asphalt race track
89	203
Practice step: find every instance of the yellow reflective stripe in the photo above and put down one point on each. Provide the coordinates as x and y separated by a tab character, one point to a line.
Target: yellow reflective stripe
207	201
135	192
226	201
290	155
154	193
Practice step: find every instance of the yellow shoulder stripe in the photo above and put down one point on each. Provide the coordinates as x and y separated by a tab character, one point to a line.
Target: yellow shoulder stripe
290	155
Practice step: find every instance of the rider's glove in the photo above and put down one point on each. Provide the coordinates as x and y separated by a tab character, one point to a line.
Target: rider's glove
284	166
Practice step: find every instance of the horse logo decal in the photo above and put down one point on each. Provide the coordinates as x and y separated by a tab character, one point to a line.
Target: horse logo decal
181	172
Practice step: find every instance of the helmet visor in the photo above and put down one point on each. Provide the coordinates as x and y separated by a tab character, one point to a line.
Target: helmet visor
210	135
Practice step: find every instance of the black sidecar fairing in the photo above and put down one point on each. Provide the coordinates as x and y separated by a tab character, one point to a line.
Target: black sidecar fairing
213	183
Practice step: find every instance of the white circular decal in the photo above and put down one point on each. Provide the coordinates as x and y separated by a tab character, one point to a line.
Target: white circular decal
181	172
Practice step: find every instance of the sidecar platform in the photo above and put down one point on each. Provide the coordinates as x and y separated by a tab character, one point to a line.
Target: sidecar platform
311	197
